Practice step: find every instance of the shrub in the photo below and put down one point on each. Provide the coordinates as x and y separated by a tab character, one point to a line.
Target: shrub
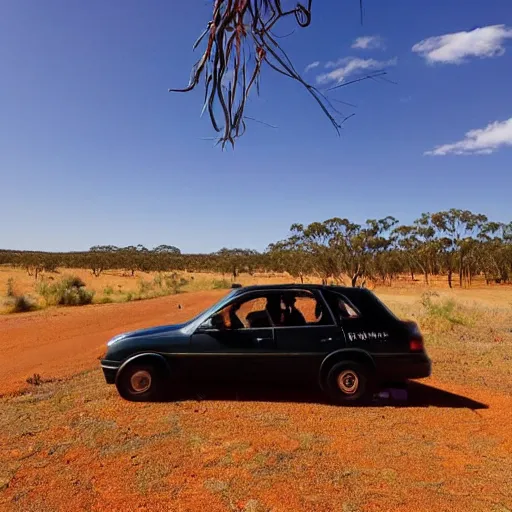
221	284
72	282
108	290
446	309
145	286
23	304
70	291
35	380
75	297
174	283
45	290
106	300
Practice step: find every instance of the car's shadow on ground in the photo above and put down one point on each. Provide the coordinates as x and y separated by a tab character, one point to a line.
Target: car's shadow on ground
418	395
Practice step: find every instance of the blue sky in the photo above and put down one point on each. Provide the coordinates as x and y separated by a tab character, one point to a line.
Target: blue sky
94	150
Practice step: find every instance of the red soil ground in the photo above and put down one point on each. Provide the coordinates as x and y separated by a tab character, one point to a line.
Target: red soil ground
61	342
75	445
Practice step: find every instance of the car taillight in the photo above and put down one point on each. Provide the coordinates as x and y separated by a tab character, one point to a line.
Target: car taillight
416	345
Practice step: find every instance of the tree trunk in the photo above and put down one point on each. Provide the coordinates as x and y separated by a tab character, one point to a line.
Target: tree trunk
461	269
450	272
412	274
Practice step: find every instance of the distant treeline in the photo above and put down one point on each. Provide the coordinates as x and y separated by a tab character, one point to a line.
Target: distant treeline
449	243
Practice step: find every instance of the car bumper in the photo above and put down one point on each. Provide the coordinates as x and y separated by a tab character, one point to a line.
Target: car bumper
110	370
403	366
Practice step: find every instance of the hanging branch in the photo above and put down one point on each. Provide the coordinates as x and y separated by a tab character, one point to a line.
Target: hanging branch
236	28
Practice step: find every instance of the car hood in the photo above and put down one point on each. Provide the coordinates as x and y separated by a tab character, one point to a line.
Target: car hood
151	331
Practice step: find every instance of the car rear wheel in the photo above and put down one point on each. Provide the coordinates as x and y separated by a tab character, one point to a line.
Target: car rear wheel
349	383
140	382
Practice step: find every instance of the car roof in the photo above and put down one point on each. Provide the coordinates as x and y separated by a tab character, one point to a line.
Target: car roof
340	289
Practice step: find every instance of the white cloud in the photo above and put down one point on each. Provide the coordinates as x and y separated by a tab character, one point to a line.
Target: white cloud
369	43
483	141
456	48
311	66
343	68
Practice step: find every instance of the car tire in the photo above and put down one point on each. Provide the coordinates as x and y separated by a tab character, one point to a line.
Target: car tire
140	382
349	383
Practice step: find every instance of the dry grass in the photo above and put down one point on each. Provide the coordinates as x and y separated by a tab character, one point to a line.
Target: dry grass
468	333
118	286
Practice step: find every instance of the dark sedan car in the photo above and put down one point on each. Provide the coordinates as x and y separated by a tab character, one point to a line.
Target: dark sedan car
343	339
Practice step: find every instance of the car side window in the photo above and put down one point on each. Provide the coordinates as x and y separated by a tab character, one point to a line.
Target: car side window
253	314
292	308
303	308
344	309
246	314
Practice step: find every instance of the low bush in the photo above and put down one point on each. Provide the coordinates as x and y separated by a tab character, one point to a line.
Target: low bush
70	291
108	290
162	284
35	380
445	309
221	284
22	304
145	287
174	283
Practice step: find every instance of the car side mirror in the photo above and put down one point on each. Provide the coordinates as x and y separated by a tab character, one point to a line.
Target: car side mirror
214	322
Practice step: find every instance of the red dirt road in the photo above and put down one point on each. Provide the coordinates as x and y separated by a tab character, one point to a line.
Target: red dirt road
59	343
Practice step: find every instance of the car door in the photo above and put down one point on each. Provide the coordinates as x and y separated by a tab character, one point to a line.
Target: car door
372	331
236	349
302	345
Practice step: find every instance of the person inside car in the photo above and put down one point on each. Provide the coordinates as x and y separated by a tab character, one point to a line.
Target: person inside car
292	316
273	308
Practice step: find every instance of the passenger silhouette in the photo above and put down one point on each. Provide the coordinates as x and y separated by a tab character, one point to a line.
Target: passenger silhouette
273	308
292	316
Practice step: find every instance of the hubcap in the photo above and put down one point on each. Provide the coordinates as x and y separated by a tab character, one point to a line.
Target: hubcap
348	382
140	381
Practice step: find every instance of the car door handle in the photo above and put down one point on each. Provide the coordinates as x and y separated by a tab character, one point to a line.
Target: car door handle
259	340
326	340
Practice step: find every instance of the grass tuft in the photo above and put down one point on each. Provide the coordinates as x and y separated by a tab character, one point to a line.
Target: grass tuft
446	309
221	284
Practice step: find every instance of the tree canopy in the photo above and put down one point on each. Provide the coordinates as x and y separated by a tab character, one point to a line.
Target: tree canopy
443	244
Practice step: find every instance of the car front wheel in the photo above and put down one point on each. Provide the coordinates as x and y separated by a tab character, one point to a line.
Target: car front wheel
140	382
349	383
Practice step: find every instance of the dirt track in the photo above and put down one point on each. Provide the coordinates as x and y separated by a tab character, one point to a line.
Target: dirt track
62	342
